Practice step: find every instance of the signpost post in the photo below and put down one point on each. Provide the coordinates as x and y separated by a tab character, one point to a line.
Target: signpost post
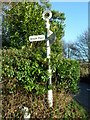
50	40
49	33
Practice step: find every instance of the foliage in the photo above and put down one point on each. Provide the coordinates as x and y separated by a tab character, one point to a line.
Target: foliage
19	22
31	70
84	69
25	65
0	65
25	19
85	72
28	68
64	105
66	74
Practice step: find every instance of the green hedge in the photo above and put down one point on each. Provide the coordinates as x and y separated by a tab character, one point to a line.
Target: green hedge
31	70
66	74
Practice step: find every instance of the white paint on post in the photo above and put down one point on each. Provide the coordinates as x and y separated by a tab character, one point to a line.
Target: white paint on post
50	94
50	15
25	110
40	38
48	49
50	98
50	33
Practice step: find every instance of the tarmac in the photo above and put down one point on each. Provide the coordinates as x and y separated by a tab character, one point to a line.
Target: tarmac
84	95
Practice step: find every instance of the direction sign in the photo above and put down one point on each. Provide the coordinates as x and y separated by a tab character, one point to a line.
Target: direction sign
36	38
52	38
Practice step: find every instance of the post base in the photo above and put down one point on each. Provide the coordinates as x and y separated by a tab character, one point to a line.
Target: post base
50	98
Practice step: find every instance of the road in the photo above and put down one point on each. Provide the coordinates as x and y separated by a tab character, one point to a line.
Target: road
84	95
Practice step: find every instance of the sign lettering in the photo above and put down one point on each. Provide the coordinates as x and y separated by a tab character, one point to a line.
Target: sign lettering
36	38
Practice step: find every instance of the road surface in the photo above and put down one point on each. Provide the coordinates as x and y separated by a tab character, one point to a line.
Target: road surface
84	95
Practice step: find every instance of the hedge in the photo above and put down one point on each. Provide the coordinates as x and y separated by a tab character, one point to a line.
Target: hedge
31	70
67	74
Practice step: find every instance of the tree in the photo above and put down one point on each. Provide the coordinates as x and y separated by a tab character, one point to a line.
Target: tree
67	49
64	48
89	45
79	50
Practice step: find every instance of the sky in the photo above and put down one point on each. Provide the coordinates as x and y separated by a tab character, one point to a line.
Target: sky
76	14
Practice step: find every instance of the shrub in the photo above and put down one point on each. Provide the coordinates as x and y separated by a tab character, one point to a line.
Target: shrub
84	69
63	106
28	68
66	74
85	72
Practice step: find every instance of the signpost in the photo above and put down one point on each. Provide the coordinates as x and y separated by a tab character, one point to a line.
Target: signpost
36	38
49	33
50	40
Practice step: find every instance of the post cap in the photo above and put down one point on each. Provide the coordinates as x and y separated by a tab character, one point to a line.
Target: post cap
50	15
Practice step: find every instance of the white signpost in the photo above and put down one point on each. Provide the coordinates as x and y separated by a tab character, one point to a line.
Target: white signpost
49	33
50	40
